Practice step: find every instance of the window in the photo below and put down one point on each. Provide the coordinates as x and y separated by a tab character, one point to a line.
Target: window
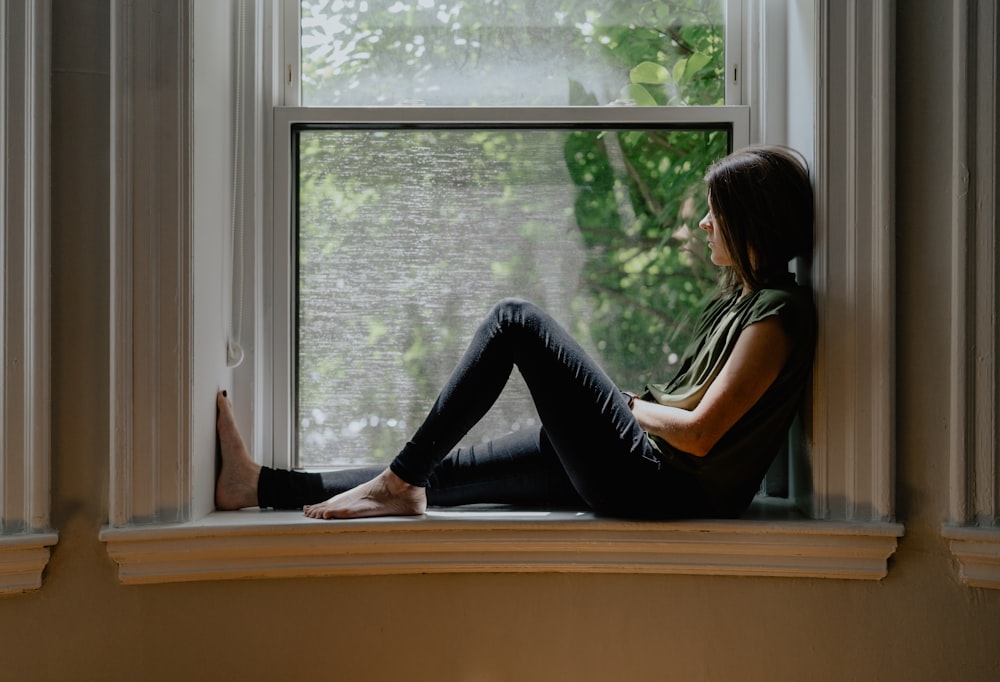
168	340
410	222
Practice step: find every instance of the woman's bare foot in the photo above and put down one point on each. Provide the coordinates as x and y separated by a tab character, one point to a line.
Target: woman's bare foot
385	495
236	486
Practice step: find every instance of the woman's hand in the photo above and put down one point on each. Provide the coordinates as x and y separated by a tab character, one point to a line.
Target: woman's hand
758	357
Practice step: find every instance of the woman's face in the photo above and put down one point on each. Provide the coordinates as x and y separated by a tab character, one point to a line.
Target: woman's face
719	254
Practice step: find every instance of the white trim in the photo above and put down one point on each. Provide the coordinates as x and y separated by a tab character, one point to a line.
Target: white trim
852	423
977	551
22	560
263	85
768	54
507	117
974	507
882	265
735	54
121	286
254	544
960	299
150	263
808	482
263	89
25	536
290	73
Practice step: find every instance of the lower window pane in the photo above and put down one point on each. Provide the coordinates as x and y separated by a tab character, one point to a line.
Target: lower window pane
407	237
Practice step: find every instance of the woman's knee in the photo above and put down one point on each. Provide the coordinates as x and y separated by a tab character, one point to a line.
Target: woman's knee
514	310
509	306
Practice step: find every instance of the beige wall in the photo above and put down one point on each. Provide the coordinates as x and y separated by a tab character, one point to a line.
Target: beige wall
917	624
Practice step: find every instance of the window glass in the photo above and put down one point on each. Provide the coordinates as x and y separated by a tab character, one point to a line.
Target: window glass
407	237
511	52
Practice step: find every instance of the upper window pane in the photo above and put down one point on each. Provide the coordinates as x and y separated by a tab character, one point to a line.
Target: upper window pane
512	52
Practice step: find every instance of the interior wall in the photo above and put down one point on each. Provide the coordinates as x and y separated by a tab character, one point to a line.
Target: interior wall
919	623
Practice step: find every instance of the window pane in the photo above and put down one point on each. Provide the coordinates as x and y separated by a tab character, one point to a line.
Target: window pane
512	52
407	237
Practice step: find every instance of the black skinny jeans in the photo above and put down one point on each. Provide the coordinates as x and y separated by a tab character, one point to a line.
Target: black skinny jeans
589	450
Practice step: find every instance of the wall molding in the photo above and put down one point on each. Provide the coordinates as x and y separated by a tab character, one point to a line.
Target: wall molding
977	551
254	544
23	559
150	262
25	535
973	527
851	430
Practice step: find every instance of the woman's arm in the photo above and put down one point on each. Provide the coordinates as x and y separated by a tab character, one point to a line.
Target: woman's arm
760	352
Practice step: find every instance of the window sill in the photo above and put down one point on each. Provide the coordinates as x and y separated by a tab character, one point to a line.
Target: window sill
978	553
23	558
265	544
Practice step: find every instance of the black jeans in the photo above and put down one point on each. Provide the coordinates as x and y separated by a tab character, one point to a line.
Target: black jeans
588	451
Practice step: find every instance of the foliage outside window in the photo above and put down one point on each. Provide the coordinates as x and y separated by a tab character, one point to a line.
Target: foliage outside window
512	52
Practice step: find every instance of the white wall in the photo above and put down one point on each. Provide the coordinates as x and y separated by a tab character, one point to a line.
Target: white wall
917	624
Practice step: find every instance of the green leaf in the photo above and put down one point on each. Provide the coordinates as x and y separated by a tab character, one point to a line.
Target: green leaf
639	94
650	73
696	63
680	66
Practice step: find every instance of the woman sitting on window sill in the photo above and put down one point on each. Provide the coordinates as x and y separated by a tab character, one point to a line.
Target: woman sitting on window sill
697	446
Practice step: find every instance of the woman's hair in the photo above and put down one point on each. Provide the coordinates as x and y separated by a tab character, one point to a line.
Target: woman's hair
762	203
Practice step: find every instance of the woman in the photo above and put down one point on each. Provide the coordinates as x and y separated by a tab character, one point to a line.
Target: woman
697	446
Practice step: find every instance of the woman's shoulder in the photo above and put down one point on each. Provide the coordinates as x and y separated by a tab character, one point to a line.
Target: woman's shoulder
793	294
792	303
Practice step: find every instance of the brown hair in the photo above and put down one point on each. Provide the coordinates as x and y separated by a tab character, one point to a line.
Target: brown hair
762	203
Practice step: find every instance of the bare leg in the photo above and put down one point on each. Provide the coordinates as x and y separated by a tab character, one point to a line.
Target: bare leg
236	486
385	495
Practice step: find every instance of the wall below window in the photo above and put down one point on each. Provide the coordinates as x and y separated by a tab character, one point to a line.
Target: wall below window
919	623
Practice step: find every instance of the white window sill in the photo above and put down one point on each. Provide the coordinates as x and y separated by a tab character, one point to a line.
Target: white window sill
23	558
267	544
978	553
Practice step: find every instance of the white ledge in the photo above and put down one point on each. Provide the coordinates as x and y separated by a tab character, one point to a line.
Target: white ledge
23	559
256	544
978	553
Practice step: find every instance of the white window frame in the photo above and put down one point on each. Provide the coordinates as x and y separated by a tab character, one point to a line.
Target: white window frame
850	532
280	304
25	534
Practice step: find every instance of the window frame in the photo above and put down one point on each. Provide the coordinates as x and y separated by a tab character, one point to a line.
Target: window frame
280	299
848	138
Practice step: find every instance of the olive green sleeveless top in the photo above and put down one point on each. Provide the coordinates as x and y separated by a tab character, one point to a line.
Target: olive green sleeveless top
731	473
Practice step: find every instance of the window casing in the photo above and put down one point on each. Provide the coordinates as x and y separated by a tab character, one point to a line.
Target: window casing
849	532
25	534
